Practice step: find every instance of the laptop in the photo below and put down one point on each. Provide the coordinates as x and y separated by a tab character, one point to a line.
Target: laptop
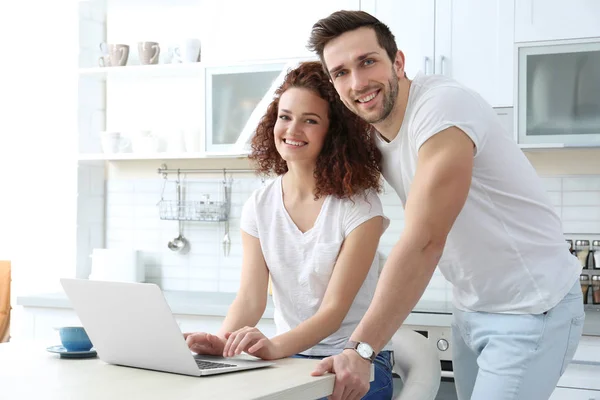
131	324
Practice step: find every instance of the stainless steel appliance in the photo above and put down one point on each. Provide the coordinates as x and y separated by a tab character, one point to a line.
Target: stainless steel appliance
557	93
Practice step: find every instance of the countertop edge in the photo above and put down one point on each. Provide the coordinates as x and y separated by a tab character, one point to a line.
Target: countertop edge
215	304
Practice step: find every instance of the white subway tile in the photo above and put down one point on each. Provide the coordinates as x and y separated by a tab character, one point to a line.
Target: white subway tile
180	272
174	259
555	198
203	285
147	240
120	223
229	274
434	295
149	186
394	212
201	273
583	213
581	199
229	286
171	284
552	184
581	183
146	199
124	237
119	186
575	227
120	210
199	261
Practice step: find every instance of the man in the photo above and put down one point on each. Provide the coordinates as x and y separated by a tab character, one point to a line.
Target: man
474	206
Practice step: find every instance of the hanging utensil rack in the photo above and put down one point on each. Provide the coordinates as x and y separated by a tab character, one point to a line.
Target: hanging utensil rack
197	210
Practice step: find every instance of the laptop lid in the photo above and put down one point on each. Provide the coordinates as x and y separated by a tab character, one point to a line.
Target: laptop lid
130	324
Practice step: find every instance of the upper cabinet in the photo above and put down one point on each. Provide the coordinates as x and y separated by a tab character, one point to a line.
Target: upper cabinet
469	40
264	29
183	78
539	20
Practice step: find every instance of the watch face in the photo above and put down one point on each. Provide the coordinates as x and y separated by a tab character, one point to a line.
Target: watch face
364	350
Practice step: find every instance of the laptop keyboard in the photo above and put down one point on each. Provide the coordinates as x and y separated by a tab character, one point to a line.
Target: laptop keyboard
203	364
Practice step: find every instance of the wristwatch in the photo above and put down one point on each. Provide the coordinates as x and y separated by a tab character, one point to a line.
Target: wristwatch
363	349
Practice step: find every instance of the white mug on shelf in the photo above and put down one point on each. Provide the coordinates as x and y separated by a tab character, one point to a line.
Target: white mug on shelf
175	142
191	138
145	142
113	142
187	52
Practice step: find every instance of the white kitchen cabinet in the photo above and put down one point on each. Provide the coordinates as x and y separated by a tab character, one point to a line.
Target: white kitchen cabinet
539	20
469	40
574	394
264	29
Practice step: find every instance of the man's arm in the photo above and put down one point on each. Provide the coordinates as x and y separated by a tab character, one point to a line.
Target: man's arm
437	195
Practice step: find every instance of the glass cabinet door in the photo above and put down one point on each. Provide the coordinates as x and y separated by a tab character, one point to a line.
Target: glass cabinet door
232	94
559	93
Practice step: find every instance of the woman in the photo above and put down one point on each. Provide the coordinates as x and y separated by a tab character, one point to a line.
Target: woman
315	230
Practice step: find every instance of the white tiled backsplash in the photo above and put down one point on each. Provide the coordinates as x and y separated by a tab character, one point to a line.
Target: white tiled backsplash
132	221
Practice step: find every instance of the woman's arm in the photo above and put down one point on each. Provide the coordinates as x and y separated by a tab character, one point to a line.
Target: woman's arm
251	300
353	264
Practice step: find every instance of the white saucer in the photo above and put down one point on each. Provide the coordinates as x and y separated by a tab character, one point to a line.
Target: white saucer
64	353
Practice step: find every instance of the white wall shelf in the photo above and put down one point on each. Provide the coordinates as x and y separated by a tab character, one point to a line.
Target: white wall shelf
147	71
158	156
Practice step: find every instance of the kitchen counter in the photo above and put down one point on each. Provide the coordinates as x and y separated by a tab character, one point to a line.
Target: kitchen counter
427	313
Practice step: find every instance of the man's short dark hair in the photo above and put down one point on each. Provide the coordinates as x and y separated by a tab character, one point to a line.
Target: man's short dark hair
340	22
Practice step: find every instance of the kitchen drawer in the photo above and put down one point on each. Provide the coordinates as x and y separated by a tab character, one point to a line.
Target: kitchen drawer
574	394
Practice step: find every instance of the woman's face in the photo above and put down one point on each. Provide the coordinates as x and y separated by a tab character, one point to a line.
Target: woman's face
302	124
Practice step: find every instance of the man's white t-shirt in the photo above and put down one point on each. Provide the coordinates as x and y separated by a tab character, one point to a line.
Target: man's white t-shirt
301	264
506	252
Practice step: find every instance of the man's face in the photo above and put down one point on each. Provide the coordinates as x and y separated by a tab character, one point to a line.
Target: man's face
363	75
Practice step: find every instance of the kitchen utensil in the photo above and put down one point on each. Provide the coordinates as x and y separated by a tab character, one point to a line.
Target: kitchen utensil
180	243
226	240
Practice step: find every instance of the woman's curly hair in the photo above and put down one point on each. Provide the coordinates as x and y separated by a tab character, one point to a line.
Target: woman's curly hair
349	162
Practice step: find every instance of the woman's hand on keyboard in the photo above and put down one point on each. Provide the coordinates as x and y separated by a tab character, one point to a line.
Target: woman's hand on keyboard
252	341
204	343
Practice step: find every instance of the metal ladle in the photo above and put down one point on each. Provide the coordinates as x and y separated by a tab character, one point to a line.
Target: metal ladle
179	244
226	239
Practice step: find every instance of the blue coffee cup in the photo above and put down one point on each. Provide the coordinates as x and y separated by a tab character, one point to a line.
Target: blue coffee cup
74	338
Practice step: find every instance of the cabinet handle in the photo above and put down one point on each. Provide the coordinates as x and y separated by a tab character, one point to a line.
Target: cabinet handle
425	64
443	65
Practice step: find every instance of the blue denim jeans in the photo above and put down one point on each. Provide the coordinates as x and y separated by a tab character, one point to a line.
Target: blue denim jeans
515	356
382	387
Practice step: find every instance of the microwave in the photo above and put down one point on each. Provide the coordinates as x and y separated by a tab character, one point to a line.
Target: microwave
557	93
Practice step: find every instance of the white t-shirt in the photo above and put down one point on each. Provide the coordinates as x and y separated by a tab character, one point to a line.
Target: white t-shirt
506	252
301	264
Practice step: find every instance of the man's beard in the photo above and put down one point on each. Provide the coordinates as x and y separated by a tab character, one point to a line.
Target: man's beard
389	101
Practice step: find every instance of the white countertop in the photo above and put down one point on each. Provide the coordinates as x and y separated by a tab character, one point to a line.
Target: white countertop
28	371
427	313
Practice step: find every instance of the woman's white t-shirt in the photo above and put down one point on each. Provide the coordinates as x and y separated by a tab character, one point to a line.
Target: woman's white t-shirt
301	264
